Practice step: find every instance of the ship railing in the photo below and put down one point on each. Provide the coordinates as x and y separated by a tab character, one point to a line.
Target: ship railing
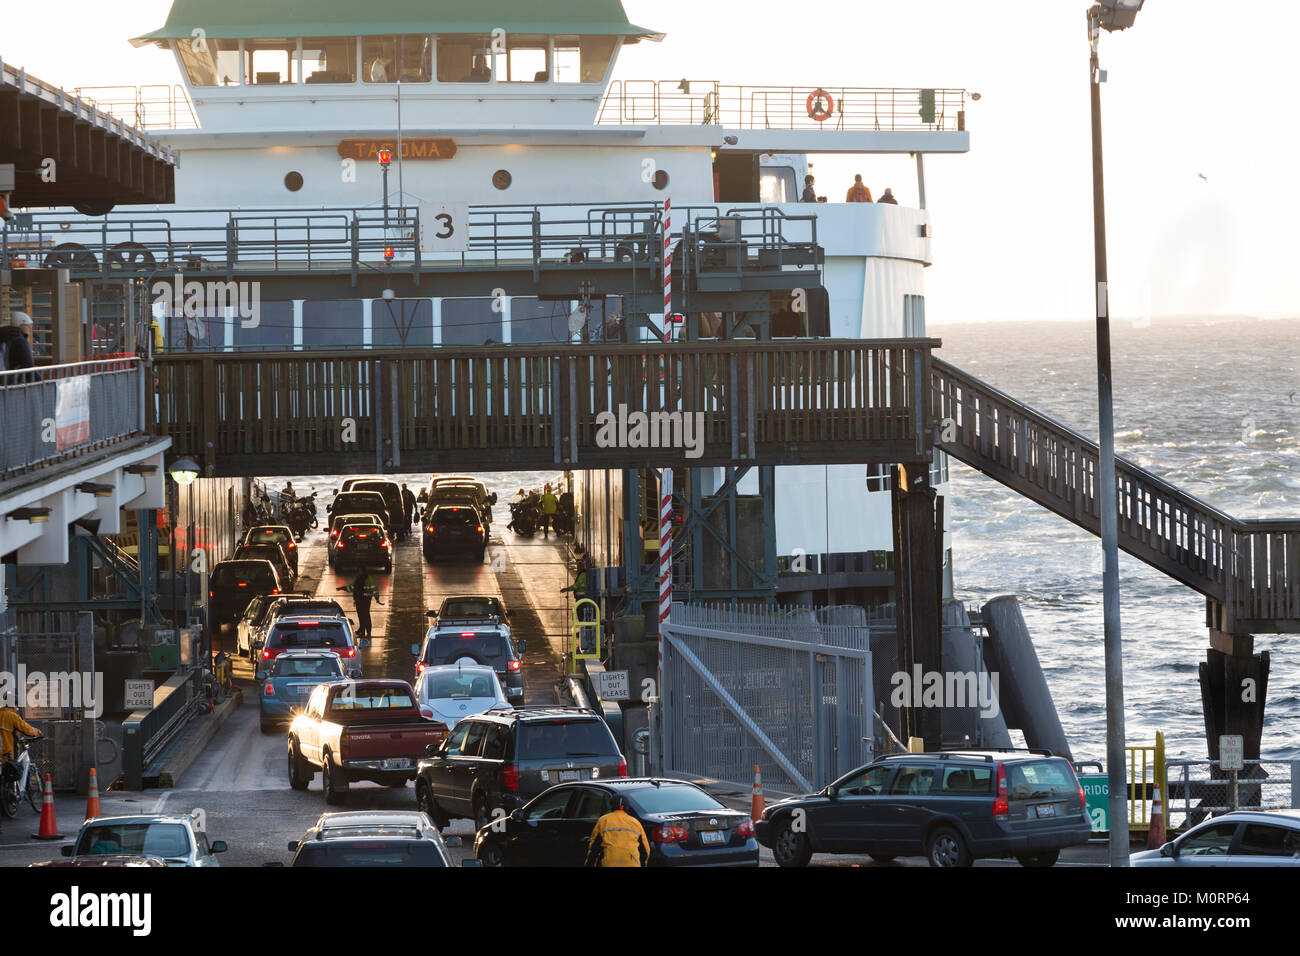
707	102
125	245
152	106
39	408
1199	789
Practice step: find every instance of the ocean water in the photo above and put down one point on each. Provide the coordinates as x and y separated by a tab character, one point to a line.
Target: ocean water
1212	406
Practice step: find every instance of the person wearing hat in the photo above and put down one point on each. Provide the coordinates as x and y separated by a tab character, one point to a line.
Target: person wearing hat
15	344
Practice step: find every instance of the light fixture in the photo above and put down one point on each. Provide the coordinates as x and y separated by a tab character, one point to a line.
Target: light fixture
30	515
385	156
183	471
1115	15
98	490
975	97
389	295
732	141
389	252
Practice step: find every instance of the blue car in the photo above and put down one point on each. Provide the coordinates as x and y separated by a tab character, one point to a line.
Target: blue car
291	679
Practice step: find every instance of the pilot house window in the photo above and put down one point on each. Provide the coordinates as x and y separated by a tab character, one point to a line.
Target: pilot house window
268	62
465	58
390	59
210	62
526	60
329	60
583	59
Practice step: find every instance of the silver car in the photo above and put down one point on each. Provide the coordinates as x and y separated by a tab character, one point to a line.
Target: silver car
177	838
452	692
1240	838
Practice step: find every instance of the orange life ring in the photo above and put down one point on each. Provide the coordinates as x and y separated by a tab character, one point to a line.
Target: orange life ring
816	110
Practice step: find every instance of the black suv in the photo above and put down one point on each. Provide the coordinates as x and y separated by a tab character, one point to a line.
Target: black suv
492	764
951	808
454	529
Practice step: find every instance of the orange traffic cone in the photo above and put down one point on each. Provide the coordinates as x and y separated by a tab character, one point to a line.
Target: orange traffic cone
49	829
92	796
756	802
1156	831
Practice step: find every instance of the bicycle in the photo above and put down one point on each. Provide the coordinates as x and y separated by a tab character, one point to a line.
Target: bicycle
20	778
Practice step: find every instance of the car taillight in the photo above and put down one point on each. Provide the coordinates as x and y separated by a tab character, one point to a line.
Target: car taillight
1000	808
426	713
466	633
479	529
339	546
622	767
349	652
270	688
292	546
419	667
512	665
334	533
212	594
266	654
510	776
430	530
1083	799
746	828
275	590
242	584
669	834
384	543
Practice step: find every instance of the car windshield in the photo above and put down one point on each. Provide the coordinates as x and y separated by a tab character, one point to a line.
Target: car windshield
231	574
307	667
559	739
369	853
470	607
154	839
671	799
324	634
372	698
460	686
1041	778
484	648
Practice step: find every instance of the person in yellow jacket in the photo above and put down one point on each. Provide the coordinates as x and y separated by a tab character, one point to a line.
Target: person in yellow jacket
618	839
11	720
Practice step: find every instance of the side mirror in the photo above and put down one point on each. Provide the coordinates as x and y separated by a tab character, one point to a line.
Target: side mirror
492	499
415	650
293	846
477	864
452	842
219	846
517	816
66	850
354	674
433	750
832	793
430	613
259	676
1170	850
523	646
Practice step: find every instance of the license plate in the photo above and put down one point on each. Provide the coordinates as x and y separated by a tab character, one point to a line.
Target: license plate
397	763
1045	810
567	775
708	837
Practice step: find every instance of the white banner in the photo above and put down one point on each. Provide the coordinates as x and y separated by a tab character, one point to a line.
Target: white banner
72	412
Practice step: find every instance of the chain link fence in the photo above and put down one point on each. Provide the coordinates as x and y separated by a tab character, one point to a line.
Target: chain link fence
788	691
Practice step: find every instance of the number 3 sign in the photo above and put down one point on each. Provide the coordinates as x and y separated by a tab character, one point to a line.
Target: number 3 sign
444	227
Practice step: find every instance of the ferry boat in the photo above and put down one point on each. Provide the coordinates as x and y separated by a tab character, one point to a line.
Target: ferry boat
287	115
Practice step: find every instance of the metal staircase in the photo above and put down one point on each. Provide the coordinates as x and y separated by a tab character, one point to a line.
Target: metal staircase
1249	571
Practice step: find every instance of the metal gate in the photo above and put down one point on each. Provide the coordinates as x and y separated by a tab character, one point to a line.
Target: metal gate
776	689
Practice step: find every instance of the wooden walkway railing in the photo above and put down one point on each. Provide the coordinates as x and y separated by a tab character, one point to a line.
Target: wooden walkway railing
521	407
1249	570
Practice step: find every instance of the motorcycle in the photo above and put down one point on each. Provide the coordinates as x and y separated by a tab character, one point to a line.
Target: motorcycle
525	517
300	515
20	779
563	519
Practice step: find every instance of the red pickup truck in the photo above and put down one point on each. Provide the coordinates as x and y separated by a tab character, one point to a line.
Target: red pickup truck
360	730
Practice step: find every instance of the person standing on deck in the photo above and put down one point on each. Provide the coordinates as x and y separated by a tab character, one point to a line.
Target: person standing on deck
550	504
363	590
858	192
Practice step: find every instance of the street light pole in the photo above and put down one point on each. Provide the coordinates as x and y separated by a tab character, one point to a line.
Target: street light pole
1117	784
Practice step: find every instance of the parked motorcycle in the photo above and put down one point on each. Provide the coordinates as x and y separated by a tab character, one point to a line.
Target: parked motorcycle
525	516
300	515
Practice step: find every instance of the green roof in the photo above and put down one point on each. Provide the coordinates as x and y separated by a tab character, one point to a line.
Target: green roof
250	19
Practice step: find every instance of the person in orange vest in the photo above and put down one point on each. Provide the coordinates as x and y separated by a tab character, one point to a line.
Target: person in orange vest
618	839
858	192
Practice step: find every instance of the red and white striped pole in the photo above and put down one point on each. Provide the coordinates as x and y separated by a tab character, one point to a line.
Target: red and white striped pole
668	269
665	553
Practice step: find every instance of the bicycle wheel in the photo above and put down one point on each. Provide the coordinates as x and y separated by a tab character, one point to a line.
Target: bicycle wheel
35	789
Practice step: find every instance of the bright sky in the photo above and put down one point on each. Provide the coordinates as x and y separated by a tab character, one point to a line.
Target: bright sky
1196	87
